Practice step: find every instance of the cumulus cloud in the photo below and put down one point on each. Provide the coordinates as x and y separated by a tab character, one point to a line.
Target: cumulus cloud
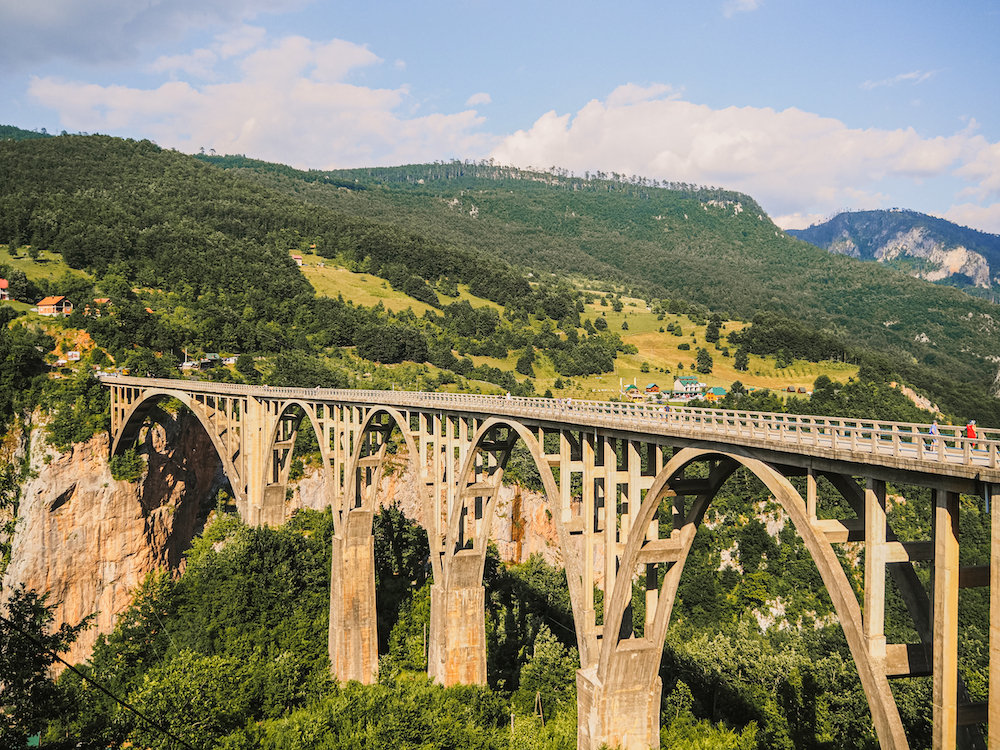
481	98
289	103
102	31
797	164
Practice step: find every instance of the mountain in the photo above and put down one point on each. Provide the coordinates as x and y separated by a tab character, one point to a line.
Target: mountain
923	246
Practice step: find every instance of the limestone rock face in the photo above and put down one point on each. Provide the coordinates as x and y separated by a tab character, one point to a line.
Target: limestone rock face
89	540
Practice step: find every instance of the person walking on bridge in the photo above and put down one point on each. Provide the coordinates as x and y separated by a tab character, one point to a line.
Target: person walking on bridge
970	432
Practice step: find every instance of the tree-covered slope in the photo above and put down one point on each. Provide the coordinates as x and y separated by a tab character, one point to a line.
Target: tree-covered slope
924	246
706	245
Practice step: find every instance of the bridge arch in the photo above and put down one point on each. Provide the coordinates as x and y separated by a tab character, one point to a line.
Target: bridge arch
618	663
368	456
282	433
136	415
353	634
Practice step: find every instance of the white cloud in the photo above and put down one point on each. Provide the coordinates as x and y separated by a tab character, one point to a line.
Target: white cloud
740	6
101	31
983	218
916	76
480	98
796	164
289	104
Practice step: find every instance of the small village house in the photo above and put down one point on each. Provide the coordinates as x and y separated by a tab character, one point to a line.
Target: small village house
652	389
297	259
715	394
55	306
688	387
4	290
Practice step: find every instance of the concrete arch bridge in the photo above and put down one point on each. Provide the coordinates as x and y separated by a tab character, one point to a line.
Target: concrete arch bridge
612	472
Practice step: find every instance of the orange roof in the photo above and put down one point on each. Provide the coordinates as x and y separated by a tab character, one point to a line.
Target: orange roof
3	283
51	300
102	300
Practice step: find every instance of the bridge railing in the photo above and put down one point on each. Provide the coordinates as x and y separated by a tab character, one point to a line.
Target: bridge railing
884	438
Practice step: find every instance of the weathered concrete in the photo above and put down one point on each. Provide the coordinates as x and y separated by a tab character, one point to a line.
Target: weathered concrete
353	621
626	716
457	647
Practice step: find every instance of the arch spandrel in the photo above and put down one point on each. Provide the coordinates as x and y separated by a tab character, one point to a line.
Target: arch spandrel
885	714
574	576
308	411
136	415
400	423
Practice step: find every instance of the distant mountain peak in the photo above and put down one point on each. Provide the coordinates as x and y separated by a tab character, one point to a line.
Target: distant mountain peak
923	246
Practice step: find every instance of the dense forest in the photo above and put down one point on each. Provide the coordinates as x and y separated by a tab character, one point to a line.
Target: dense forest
194	253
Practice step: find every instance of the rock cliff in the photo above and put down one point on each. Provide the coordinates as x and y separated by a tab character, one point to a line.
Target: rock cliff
88	540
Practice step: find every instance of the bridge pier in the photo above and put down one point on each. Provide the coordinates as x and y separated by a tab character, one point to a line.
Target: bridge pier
623	713
457	648
353	619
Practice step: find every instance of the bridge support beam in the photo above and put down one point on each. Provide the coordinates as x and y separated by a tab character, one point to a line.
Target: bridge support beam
353	623
457	648
621	713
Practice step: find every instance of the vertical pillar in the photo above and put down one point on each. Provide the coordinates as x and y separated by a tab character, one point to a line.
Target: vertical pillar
873	621
353	621
811	492
252	440
620	713
993	494
945	690
457	647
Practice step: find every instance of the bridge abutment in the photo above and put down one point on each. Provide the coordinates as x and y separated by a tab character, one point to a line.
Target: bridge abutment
617	713
457	648
353	619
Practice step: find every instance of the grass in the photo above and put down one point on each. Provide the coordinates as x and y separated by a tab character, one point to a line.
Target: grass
49	266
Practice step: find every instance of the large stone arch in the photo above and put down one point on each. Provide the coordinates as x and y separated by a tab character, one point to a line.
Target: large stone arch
353	635
277	462
631	659
136	416
371	429
457	652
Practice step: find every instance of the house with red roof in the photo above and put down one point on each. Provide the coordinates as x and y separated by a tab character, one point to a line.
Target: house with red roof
55	306
4	290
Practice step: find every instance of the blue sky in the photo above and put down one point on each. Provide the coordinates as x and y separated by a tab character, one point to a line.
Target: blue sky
809	107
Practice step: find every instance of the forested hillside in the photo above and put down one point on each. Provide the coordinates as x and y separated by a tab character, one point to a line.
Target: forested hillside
704	245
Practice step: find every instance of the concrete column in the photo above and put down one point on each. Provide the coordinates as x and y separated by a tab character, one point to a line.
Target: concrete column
945	690
457	648
875	556
252	441
994	690
353	623
622	714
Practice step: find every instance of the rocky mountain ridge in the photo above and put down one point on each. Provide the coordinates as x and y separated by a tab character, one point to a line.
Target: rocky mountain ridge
924	246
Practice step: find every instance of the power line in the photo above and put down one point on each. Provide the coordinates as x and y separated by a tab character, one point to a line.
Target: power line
97	685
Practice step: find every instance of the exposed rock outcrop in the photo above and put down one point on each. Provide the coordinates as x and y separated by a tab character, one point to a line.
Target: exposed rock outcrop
88	540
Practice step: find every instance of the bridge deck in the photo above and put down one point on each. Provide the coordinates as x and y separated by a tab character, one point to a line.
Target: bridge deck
898	446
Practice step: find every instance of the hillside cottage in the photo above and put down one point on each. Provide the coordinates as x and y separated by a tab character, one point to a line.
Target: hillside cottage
4	290
55	306
297	259
715	394
652	389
